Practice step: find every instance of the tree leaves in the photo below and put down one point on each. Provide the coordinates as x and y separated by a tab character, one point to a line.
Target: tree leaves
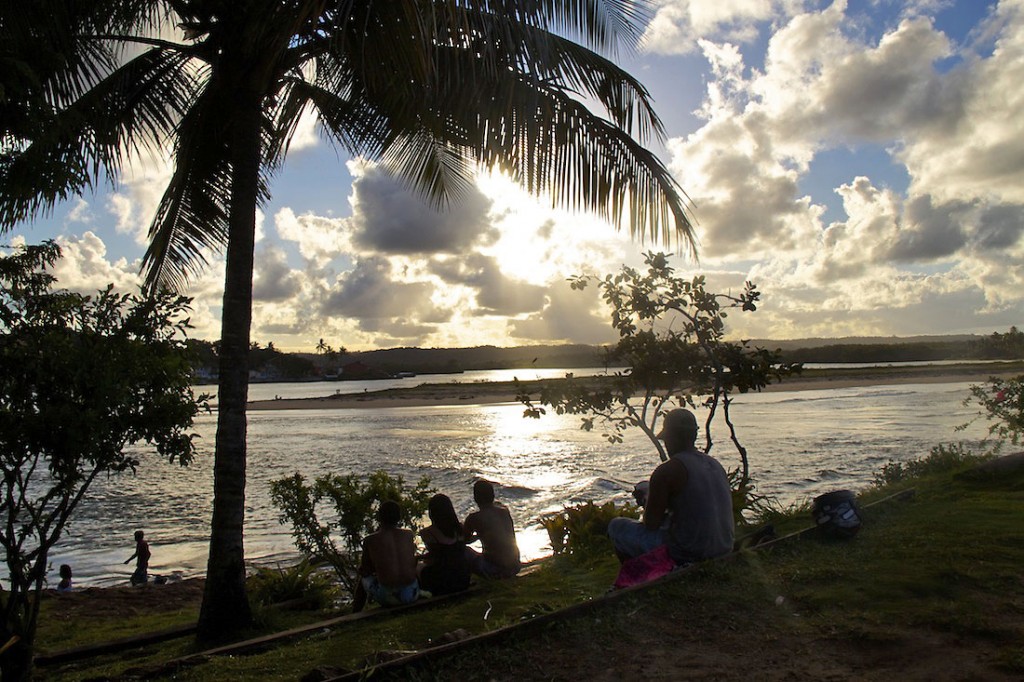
81	379
673	348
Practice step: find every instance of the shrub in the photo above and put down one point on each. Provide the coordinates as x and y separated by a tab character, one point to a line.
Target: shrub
672	342
584	528
941	459
1002	404
276	585
350	503
81	379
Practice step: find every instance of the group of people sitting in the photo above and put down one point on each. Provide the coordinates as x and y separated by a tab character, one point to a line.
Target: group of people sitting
391	573
687	516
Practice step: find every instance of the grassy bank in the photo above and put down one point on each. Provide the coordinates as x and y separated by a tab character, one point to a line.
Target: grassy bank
931	588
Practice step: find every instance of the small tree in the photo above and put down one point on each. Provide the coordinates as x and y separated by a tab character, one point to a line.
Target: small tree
81	378
1002	405
352	504
671	340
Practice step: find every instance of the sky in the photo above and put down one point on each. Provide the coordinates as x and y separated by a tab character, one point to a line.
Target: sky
861	161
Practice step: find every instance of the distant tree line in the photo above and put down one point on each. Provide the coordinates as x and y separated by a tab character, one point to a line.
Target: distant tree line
270	364
1008	346
437	360
267	363
997	346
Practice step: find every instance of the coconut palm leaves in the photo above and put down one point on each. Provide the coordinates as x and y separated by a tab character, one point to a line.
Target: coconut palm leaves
471	85
434	90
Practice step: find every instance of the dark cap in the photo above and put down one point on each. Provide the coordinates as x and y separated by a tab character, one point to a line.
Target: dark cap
678	421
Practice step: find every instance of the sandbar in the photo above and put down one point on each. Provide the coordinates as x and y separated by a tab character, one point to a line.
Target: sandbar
488	393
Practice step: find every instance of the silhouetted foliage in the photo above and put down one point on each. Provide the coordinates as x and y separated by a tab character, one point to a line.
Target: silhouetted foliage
671	340
343	507
81	378
1002	407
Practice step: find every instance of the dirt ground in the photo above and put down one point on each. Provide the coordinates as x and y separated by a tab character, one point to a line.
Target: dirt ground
104	602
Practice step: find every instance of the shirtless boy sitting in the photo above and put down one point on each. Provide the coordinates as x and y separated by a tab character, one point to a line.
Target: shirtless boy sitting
388	568
493	526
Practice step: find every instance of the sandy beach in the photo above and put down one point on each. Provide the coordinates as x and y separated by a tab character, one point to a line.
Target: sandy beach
485	393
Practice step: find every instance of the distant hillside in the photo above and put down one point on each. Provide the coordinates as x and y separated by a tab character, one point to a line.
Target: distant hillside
849	349
794	344
270	365
442	360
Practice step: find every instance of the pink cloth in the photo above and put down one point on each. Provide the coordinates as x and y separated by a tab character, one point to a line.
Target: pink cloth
645	567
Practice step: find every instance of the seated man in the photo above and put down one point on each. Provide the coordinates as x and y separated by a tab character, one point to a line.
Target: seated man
492	525
388	568
691	491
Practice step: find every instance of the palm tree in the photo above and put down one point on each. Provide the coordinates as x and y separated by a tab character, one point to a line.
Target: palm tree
433	90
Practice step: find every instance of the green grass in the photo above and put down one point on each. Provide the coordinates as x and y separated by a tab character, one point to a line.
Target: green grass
946	561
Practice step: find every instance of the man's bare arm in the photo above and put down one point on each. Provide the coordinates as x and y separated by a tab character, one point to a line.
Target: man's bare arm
470	529
366	562
657	500
667	480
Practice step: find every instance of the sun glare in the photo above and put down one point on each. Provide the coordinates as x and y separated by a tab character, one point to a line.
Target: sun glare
538	244
523	449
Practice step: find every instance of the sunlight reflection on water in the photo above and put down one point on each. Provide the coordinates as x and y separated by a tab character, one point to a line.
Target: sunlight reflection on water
800	444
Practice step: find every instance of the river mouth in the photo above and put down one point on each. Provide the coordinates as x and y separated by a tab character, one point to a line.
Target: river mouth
800	444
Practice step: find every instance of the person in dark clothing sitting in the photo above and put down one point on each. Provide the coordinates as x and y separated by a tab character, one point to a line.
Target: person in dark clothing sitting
445	568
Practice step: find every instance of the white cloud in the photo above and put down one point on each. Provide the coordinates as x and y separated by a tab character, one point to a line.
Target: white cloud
273	279
305	136
319	239
980	152
372	292
84	267
495	293
576	316
80	212
821	86
953	239
746	195
679	24
135	202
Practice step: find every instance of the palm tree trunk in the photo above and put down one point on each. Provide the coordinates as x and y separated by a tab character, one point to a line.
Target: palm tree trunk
225	609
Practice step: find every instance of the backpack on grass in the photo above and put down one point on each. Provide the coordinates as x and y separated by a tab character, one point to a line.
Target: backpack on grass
836	514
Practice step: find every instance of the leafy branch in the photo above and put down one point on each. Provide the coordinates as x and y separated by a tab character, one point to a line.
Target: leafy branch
673	348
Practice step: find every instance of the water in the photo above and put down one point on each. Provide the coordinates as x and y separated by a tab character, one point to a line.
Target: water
800	444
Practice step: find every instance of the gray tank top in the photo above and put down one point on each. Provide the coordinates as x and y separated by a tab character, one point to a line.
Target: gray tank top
702	524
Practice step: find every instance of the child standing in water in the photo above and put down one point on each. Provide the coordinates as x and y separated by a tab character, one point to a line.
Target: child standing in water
141	574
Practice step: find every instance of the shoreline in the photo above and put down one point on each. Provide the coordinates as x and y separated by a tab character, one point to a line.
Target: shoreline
494	393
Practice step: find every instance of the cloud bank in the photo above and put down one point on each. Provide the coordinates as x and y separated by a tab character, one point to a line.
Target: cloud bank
863	163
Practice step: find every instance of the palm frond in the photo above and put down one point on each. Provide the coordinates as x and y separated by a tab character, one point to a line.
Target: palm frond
510	95
442	172
552	144
135	107
192	218
590	75
603	25
353	124
501	42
